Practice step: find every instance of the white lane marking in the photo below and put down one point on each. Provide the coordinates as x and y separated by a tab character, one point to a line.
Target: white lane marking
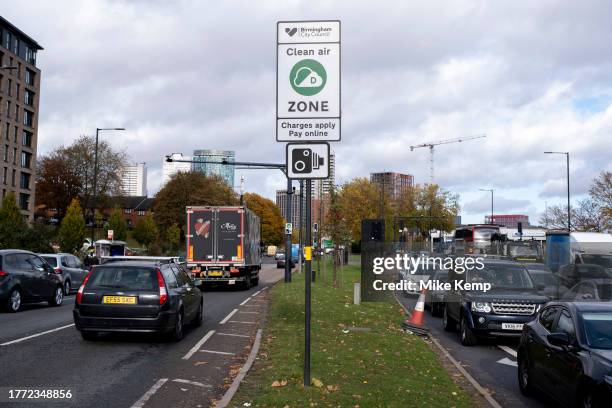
256	293
265	288
507	361
225	353
36	335
240	311
229	316
198	345
508	350
245	301
143	400
237	321
197	384
233	335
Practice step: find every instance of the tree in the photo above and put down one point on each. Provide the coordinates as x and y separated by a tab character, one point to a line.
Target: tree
336	228
357	200
270	217
188	189
38	238
117	224
173	236
586	215
145	232
601	190
72	229
67	173
12	223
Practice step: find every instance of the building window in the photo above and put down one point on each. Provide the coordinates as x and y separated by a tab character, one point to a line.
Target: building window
127	210
8	111
24	201
14	155
28	98
7	40
31	56
10	87
28	118
6	150
4	175
29	77
13	176
17	113
15	134
26	138
24	181
16	46
26	160
16	91
7	132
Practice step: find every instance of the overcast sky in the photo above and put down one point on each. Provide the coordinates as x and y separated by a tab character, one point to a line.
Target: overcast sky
185	75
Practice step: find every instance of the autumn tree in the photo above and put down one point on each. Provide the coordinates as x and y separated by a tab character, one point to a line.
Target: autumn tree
336	228
173	237
188	189
57	183
145	232
117	224
358	199
270	217
72	228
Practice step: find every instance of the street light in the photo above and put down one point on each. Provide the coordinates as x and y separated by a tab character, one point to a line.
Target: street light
569	223
491	190
95	179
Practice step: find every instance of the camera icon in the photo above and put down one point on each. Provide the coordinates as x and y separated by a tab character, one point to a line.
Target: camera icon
305	161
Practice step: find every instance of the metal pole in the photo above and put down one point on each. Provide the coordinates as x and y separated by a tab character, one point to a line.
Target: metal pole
491	206
95	186
288	214
569	223
300	259
307	293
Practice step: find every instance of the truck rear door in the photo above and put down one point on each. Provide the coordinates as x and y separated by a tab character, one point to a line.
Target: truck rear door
201	237
229	235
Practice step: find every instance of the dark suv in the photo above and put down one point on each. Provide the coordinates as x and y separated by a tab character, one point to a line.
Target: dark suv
512	301
26	278
137	296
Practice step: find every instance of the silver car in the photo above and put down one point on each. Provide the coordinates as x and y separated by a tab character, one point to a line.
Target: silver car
69	268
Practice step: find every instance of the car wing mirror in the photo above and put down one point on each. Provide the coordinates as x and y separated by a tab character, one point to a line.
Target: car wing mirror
559	339
541	286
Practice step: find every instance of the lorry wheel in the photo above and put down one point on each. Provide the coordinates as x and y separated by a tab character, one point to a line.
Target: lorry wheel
256	281
247	282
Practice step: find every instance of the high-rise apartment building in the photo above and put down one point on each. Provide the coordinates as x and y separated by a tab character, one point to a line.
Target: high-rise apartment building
19	99
320	188
281	202
173	167
134	179
215	156
393	183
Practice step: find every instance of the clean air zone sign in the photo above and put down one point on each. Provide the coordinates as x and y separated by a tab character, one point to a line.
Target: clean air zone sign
308	81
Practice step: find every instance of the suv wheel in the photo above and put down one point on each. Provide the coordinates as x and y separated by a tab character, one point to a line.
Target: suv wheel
67	288
450	325
13	304
467	336
177	333
58	297
89	335
586	399
197	320
524	376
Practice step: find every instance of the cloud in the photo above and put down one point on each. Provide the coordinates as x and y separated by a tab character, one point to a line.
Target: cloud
182	76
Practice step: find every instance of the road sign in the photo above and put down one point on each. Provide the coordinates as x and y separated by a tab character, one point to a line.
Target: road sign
307	160
315	227
288	228
110	234
308	81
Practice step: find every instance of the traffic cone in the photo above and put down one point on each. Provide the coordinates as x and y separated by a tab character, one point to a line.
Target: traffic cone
415	324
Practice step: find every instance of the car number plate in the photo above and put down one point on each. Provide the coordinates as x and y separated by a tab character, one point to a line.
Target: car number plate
512	326
231	282
119	300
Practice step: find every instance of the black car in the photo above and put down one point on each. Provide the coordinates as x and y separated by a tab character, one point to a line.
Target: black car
571	274
143	297
567	353
280	261
26	278
547	282
500	312
590	290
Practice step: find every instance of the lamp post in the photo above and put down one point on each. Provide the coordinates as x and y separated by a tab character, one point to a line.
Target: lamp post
95	180
569	221
491	191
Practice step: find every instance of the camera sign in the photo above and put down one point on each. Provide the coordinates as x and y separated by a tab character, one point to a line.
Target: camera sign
307	160
308	81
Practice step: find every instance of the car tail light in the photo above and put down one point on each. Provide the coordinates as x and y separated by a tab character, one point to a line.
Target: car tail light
79	296
163	293
234	270
2	273
57	269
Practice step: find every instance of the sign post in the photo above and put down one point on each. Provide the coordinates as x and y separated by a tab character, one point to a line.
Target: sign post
308	115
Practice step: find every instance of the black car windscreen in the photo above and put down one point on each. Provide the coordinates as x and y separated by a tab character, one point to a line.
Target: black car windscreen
128	278
506	276
51	260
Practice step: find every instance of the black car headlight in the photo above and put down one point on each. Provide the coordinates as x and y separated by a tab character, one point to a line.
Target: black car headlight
482	307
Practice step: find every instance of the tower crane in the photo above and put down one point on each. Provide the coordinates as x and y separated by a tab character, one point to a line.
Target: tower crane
431	145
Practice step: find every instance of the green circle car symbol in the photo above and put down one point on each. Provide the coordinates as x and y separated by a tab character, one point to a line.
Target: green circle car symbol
308	77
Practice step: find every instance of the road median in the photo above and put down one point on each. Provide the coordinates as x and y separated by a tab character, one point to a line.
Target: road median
360	355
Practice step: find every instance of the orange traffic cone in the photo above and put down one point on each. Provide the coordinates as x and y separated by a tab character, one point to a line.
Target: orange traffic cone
415	324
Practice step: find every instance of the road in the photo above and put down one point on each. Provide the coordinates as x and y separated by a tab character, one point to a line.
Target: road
117	370
491	362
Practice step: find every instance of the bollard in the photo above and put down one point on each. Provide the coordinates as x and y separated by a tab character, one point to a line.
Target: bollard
357	293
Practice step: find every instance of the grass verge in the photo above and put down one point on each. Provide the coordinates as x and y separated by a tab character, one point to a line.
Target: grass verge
382	367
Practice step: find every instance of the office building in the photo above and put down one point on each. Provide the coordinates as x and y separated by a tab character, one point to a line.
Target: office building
281	202
19	101
392	183
215	156
508	220
169	169
134	179
320	188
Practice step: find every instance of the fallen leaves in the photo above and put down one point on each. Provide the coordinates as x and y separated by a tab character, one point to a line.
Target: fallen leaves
317	383
277	384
